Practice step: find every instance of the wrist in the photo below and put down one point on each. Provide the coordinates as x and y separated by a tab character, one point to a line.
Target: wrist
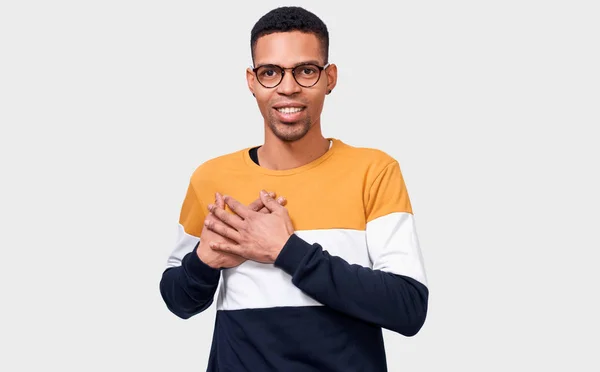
206	259
197	270
279	247
294	252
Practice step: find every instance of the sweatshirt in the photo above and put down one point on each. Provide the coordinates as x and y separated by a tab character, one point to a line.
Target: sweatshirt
352	267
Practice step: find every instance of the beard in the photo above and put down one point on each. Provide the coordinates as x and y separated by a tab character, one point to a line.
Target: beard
289	132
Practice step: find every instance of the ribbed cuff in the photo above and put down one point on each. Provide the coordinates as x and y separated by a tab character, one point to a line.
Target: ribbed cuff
198	271
292	254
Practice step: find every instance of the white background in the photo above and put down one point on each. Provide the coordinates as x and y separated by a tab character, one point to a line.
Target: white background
107	107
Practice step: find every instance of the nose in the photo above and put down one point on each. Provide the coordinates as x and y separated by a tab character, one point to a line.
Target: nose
288	85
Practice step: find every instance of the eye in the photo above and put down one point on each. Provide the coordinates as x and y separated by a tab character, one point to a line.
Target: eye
268	72
307	70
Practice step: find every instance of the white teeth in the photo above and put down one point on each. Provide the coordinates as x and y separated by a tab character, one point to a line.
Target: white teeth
289	110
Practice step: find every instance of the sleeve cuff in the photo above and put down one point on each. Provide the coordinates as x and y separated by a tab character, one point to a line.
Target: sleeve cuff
198	271
292	254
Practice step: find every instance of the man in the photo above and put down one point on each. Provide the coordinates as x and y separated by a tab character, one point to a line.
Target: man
308	286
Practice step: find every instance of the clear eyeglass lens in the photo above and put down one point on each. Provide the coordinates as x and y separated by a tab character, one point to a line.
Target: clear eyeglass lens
306	75
271	76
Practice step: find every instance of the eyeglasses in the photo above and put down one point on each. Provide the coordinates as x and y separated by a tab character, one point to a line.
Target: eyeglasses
306	75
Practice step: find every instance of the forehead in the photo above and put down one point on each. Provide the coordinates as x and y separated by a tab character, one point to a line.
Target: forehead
287	48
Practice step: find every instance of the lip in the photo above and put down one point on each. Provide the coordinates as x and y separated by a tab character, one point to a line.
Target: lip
287	104
289	118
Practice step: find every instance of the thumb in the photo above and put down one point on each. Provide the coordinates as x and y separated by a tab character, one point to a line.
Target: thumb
268	201
290	226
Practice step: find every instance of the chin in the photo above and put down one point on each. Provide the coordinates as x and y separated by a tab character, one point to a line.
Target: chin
289	132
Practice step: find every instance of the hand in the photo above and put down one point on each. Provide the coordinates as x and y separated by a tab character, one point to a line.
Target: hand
256	236
216	259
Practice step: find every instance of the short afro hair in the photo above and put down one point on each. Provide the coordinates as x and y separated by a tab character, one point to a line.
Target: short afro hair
287	19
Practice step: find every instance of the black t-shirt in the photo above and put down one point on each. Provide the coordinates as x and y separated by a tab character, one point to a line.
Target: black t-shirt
254	154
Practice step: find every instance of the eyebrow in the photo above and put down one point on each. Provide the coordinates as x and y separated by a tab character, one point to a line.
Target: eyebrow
311	62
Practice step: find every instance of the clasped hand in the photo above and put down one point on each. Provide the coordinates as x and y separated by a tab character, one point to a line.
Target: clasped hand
253	235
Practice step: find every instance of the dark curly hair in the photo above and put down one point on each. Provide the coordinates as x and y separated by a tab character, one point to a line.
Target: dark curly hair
290	18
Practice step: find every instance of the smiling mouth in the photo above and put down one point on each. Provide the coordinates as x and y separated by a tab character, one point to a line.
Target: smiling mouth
290	110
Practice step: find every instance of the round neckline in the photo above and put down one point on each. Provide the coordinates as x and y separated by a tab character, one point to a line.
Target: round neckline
286	172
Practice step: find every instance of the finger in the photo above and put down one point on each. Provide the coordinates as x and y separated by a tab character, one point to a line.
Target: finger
219	201
282	200
207	230
220	228
257	205
227	248
269	202
226	217
237	207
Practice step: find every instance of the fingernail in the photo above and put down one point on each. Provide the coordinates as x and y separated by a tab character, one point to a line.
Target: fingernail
205	222
263	192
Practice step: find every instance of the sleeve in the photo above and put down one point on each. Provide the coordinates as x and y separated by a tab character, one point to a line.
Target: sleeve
393	292
188	285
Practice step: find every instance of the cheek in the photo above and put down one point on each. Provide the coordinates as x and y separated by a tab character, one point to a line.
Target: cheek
263	104
317	104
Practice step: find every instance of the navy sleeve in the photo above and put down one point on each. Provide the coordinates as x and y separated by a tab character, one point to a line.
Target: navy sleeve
190	288
395	302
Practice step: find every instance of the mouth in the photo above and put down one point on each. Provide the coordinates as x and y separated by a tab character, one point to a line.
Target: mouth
289	113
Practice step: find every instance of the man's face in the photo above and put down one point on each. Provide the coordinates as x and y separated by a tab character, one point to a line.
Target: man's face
279	105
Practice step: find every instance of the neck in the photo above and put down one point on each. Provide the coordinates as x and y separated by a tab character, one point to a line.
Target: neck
276	154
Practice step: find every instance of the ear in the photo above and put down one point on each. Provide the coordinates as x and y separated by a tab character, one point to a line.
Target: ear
331	74
250	78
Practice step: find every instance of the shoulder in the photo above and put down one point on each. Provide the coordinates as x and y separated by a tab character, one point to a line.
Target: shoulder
371	160
218	166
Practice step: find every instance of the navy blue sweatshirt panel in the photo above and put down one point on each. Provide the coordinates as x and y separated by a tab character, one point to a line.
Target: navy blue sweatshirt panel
395	302
295	339
190	288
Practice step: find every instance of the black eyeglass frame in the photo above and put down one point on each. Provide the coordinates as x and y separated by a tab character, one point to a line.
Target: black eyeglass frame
320	68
